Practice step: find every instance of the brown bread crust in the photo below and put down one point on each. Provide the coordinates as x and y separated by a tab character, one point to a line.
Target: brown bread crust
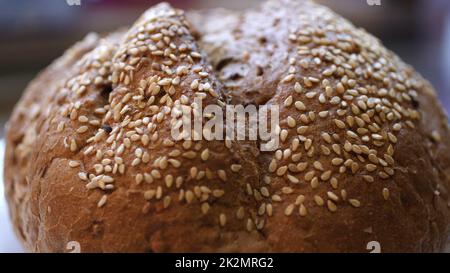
364	153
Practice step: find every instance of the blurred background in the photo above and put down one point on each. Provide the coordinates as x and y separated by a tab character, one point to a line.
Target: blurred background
33	33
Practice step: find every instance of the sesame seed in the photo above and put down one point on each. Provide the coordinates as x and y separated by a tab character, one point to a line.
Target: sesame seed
282	170
222	219
302	210
300	199
291	122
300	106
146	157
169	180
397	127
73	145
373	158
135	162
351	134
189	195
148	178
309	175
340	124
205	155
336	149
276	198
83	176
240	213
326	137
287	190
289	209
335	100
368	178
340	88
249	225
138	153
264	192
107	179
82	129
74	164
102	201
331	206
190	154
283	135
302	166
310	95
148	195
288	102
371	167
262	209
383	175
318	166
175	163
218	193
319	201
298	88
155	174
302	130
332	196
314	183
293	179
288	78
308	144
337	161
269	209
159	192
355	203
235	168
272	166
435	135
385	193
205	207
166	201
139	178
334	183
222	175
392	138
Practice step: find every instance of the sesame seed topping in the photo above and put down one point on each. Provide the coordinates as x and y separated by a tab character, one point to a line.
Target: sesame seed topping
74	164
222	219
319	201
205	207
289	209
341	125
302	210
386	193
102	201
355	203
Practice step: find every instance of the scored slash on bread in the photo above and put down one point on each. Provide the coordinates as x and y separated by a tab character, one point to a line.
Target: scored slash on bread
363	153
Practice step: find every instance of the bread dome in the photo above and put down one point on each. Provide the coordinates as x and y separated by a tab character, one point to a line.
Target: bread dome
364	149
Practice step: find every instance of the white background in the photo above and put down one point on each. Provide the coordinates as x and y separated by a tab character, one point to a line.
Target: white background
8	240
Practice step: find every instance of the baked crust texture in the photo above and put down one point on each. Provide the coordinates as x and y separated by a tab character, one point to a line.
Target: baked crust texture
364	153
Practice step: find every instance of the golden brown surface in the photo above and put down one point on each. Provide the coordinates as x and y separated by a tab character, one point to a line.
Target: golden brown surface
364	153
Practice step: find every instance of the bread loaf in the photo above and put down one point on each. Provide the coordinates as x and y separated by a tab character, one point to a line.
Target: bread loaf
364	150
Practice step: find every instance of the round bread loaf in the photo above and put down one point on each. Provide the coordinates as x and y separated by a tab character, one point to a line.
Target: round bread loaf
364	150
